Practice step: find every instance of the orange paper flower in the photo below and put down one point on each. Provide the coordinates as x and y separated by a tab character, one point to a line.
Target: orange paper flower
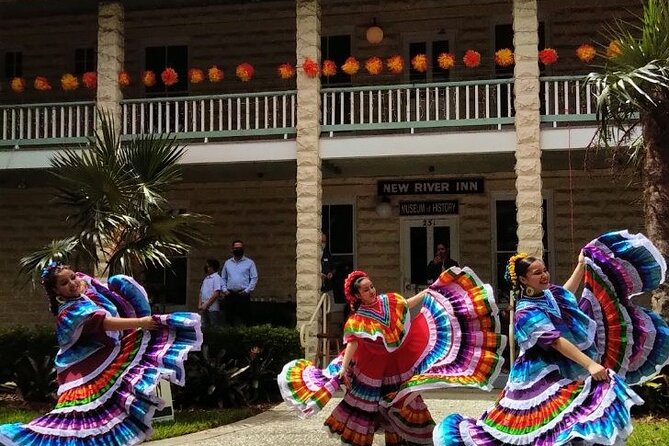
446	61
586	52
419	63
18	85
374	65
310	67
329	68
504	57
41	83
149	78
350	66
123	79
90	80
613	50
215	74
395	64
471	59
69	82
548	56
244	71
285	71
169	76
195	76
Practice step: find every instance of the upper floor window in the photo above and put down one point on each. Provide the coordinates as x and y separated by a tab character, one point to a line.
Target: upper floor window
160	57
432	49
84	60
504	39
13	64
337	49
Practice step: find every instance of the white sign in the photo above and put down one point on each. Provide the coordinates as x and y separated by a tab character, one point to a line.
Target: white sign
164	392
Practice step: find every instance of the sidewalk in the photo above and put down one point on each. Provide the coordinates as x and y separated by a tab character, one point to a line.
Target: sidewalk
280	426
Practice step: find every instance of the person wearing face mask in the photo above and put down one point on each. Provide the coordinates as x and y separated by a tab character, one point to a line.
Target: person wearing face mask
327	267
240	278
210	293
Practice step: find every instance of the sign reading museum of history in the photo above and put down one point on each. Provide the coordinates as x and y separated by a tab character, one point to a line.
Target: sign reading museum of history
420	187
443	207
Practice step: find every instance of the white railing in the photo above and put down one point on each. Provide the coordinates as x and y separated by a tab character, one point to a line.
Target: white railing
54	123
212	116
323	307
567	99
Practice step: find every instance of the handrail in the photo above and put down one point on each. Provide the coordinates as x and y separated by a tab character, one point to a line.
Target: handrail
324	306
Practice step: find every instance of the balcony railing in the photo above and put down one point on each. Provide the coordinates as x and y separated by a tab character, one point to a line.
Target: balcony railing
395	108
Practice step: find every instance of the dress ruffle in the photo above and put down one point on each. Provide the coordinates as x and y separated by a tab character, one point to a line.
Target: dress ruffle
114	399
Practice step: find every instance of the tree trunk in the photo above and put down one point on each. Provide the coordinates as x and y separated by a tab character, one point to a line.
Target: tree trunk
655	181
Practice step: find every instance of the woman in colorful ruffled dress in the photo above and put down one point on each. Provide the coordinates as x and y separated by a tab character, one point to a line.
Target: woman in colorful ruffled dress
112	353
390	357
570	382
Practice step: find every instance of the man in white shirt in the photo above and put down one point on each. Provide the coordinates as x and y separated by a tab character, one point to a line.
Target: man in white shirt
210	292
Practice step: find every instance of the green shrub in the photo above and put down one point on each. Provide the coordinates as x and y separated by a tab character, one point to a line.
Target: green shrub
16	343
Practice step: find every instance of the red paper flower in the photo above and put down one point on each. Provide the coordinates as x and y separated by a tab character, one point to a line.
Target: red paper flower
419	63
471	59
350	66
310	67
123	79
41	83
329	68
504	57
18	85
395	64
586	52
446	61
149	78
169	76
285	71
374	65
244	71
195	76
215	74
548	56
69	82
613	50
90	80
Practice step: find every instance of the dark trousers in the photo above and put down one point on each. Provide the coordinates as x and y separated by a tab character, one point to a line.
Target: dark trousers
237	308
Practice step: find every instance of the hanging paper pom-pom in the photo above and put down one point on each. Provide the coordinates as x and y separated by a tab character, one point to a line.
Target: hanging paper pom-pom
285	71
350	66
169	76
149	78
41	83
504	57
195	76
548	56
446	61
613	50
90	80
18	85
244	71
471	59
69	82
586	52
310	68
419	63
395	64
374	65
215	74
329	68
123	79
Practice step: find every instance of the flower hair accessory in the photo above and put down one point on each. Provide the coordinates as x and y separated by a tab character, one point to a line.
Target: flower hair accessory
510	273
348	285
44	274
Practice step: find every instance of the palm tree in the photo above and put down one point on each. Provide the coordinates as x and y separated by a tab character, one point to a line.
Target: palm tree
117	195
633	114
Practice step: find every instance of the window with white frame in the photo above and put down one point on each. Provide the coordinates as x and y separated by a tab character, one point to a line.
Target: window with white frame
337	49
432	48
160	57
338	224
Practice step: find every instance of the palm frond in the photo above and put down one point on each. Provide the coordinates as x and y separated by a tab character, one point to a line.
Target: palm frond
57	250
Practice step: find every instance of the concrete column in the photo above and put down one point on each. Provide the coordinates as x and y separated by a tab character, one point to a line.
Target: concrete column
528	149
111	51
308	281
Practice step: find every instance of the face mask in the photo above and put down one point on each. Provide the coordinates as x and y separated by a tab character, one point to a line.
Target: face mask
238	252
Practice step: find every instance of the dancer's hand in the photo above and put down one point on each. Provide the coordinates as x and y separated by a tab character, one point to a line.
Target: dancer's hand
598	372
343	377
148	323
581	258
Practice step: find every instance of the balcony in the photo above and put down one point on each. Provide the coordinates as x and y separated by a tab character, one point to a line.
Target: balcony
408	108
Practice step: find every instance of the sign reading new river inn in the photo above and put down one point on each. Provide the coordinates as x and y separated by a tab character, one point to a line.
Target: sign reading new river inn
421	187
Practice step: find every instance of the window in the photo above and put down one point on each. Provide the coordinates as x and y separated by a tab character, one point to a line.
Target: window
337	49
432	49
160	57
167	286
84	60
13	64
504	39
338	224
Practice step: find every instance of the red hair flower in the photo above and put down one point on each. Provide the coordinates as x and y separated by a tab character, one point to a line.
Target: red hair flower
349	283
90	80
504	57
419	63
18	85
149	78
548	56
350	66
586	52
374	65
329	68
123	79
244	71
169	76
395	64
41	83
215	74
285	71
471	59
446	61
195	76
310	67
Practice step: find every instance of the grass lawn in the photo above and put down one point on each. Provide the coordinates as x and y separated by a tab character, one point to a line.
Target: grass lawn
649	432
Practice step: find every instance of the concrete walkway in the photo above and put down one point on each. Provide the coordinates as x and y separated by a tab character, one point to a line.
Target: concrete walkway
280	426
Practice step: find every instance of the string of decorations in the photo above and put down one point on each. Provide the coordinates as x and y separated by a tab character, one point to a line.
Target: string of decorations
373	66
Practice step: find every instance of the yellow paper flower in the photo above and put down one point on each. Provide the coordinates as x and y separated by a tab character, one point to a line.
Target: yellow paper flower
395	64
446	61
504	57
215	74
123	79
329	68
18	85
374	65
350	66
285	71
195	76
586	53
613	50
69	82
419	63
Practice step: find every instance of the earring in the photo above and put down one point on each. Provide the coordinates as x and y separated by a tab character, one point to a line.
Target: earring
529	291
